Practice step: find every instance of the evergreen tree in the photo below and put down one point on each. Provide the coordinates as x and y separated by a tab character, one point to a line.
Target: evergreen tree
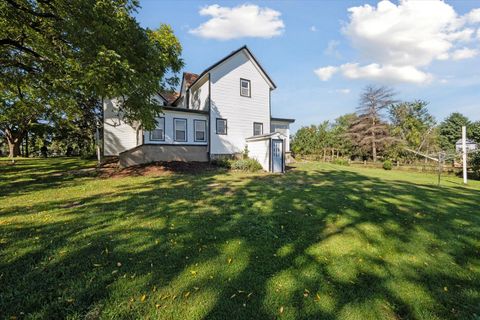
450	130
369	131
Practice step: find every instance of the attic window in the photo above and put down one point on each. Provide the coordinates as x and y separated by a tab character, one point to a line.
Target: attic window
245	88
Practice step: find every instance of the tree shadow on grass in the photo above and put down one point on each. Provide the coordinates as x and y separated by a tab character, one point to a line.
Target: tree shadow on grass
308	244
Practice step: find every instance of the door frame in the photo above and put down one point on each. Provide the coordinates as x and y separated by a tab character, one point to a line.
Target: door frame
272	140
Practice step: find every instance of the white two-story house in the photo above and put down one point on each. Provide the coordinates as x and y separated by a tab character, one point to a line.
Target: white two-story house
221	112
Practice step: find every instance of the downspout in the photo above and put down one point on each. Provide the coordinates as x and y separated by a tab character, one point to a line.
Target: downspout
270	109
209	118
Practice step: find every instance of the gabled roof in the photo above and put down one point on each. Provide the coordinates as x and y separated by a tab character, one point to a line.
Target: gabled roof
249	53
189	78
169	96
266	136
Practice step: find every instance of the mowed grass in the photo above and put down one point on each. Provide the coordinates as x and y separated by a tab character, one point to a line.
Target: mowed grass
320	242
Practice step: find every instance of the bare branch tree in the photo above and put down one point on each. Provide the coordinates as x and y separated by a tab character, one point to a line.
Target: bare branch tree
369	130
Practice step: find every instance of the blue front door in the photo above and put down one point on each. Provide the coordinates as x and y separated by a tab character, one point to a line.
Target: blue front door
277	155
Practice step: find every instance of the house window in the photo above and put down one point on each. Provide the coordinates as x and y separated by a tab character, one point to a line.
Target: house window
245	88
221	126
158	134
257	128
200	128
180	130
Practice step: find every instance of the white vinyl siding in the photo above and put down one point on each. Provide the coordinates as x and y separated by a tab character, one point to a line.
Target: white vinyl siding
227	103
283	128
260	151
169	131
198	95
118	136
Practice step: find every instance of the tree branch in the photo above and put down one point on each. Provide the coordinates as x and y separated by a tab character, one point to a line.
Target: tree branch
19	46
29	11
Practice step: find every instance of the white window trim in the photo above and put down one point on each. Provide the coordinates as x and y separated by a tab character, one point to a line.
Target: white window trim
175	129
216	126
259	123
156	128
195	121
249	88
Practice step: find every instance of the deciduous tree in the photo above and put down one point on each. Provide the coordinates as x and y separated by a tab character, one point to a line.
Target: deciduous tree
90	48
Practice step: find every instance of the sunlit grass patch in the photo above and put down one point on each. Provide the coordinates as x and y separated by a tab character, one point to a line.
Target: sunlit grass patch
320	242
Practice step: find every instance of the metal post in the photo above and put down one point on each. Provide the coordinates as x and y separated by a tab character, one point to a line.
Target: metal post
464	153
439	167
97	145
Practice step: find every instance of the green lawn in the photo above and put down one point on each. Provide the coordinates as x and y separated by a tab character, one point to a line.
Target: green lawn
320	242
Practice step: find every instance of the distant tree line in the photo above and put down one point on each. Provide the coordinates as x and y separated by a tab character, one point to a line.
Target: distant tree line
383	128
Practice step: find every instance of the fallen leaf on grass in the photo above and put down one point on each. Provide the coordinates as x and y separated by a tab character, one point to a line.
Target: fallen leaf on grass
186	294
229	260
317	297
143	298
281	310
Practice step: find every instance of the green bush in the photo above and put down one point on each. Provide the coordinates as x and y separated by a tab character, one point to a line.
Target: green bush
223	163
250	165
387	165
341	162
475	163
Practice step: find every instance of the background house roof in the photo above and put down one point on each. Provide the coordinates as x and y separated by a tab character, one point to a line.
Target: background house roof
169	96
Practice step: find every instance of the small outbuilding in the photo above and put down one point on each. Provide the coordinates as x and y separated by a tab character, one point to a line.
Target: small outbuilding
268	150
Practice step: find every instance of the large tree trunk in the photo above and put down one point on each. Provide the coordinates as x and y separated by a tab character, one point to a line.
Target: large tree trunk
26	145
13	149
14	140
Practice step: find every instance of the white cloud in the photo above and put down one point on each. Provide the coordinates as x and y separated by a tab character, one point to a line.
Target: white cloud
343	91
246	20
397	41
332	49
313	28
389	73
474	16
464	53
325	73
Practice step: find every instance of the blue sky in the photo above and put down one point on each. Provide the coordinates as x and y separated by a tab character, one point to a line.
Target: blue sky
321	54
